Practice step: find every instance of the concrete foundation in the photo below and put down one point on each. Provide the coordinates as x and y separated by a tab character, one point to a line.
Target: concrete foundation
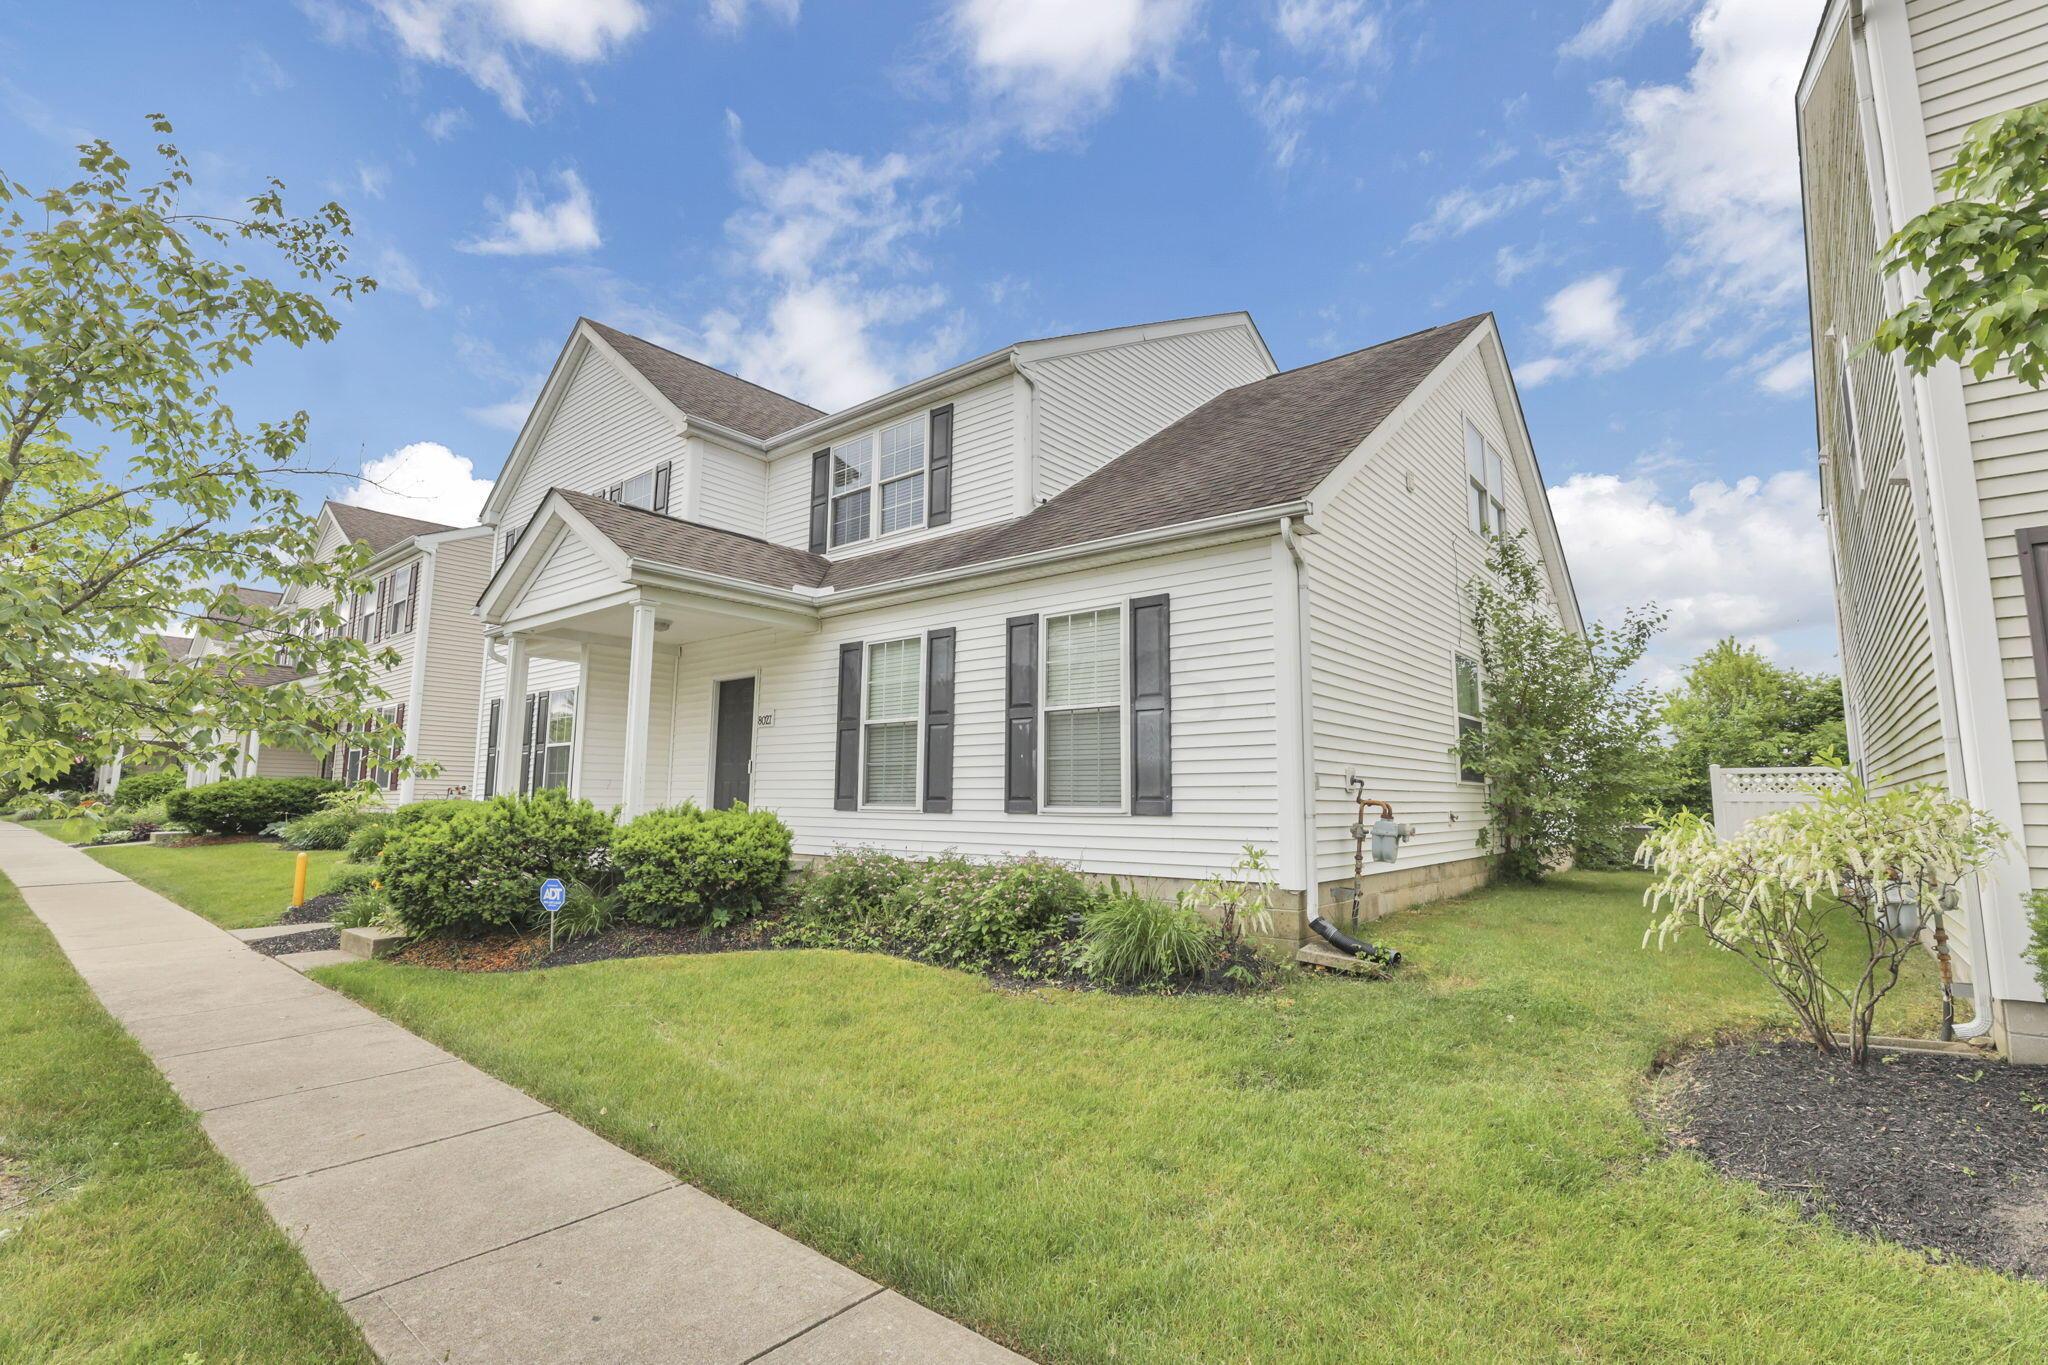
2020	1028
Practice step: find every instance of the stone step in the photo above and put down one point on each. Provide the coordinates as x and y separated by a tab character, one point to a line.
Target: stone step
1323	955
258	934
372	942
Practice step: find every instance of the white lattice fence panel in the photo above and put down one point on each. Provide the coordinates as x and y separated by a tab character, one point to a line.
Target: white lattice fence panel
1743	794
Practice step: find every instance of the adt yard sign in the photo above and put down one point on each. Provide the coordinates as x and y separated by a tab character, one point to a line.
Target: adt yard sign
553	896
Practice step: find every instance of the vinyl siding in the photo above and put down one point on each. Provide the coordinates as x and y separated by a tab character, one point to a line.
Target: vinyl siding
571	574
603	430
984	472
1976	58
1386	621
453	664
1888	661
732	489
1224	715
1092	406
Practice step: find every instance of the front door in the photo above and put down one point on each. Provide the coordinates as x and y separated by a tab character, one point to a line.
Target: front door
733	744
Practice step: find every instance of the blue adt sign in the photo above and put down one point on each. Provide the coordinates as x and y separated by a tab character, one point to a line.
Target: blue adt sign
553	895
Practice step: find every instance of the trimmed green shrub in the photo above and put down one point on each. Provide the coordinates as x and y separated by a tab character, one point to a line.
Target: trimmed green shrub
1130	940
977	916
684	865
2036	951
481	868
367	842
243	805
144	788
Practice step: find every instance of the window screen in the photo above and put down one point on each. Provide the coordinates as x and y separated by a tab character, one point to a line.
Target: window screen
1084	709
889	774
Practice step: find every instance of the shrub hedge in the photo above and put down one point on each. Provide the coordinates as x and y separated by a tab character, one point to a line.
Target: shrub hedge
684	865
143	788
481	867
367	842
243	805
331	828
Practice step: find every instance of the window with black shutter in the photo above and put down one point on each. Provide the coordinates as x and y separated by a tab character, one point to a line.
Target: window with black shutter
938	721
1020	717
1151	706
939	506
846	752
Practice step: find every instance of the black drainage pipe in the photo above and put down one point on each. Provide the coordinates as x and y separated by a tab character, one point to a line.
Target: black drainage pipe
1344	943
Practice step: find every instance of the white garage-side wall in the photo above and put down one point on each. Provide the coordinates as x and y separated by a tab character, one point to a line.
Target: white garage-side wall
1091	406
1224	706
1387	620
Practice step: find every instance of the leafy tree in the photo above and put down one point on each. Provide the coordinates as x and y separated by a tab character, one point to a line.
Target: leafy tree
1984	255
1738	709
1567	745
120	319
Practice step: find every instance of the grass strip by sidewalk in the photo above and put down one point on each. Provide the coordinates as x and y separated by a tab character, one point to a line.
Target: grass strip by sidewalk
72	831
123	1234
1448	1165
237	886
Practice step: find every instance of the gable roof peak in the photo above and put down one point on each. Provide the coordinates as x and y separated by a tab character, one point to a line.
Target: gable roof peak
701	390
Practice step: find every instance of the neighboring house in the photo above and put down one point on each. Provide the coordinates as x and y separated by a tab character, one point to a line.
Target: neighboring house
252	758
424	579
1128	598
107	776
1934	487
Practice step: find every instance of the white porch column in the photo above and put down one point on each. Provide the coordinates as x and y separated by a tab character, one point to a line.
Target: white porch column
510	712
114	770
639	707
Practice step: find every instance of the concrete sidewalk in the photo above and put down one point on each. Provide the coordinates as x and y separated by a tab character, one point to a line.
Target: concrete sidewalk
456	1218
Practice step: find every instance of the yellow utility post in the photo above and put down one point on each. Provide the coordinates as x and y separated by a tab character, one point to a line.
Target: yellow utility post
299	883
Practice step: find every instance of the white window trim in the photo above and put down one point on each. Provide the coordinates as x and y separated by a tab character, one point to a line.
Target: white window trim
1122	607
1459	715
867	677
1496	499
875	481
1846	414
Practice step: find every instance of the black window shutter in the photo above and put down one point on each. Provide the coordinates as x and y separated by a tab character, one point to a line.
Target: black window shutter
662	472
939	496
397	751
2033	546
846	755
1151	707
383	606
412	596
938	721
1020	711
490	782
821	499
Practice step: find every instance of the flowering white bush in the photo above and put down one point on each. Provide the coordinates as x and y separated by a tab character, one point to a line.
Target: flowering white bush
1874	868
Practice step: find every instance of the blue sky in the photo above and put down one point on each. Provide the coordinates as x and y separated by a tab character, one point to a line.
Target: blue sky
829	198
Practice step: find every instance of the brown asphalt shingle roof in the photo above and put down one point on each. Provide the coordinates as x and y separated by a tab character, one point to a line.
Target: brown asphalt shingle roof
256	597
177	646
701	391
1263	444
380	530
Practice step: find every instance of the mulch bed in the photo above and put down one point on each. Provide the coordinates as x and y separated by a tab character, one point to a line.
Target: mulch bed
317	909
1949	1154
518	952
313	940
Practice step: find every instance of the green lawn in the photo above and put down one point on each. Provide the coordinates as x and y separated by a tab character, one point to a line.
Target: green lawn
72	831
123	1234
1447	1165
237	886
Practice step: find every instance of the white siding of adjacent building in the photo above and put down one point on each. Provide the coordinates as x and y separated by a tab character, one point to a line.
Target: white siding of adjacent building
984	472
1386	621
451	666
1976	58
1091	406
604	430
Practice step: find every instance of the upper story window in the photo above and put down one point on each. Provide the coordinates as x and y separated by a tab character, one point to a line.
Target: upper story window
878	482
647	490
1486	484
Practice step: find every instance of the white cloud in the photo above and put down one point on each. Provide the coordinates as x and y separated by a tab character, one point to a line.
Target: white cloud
1280	105
1587	327
831	243
426	480
1747	559
531	227
262	73
1620	24
1347	30
1717	157
509	415
372	180
494	42
1510	263
1463	209
443	124
1790	373
395	271
731	15
1051	65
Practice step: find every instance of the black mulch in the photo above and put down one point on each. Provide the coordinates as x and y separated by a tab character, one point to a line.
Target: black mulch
313	940
1949	1154
316	910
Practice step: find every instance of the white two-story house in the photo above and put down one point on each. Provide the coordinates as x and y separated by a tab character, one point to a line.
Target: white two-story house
1934	486
1130	598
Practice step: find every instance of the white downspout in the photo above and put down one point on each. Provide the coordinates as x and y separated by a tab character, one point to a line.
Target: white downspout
1304	737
